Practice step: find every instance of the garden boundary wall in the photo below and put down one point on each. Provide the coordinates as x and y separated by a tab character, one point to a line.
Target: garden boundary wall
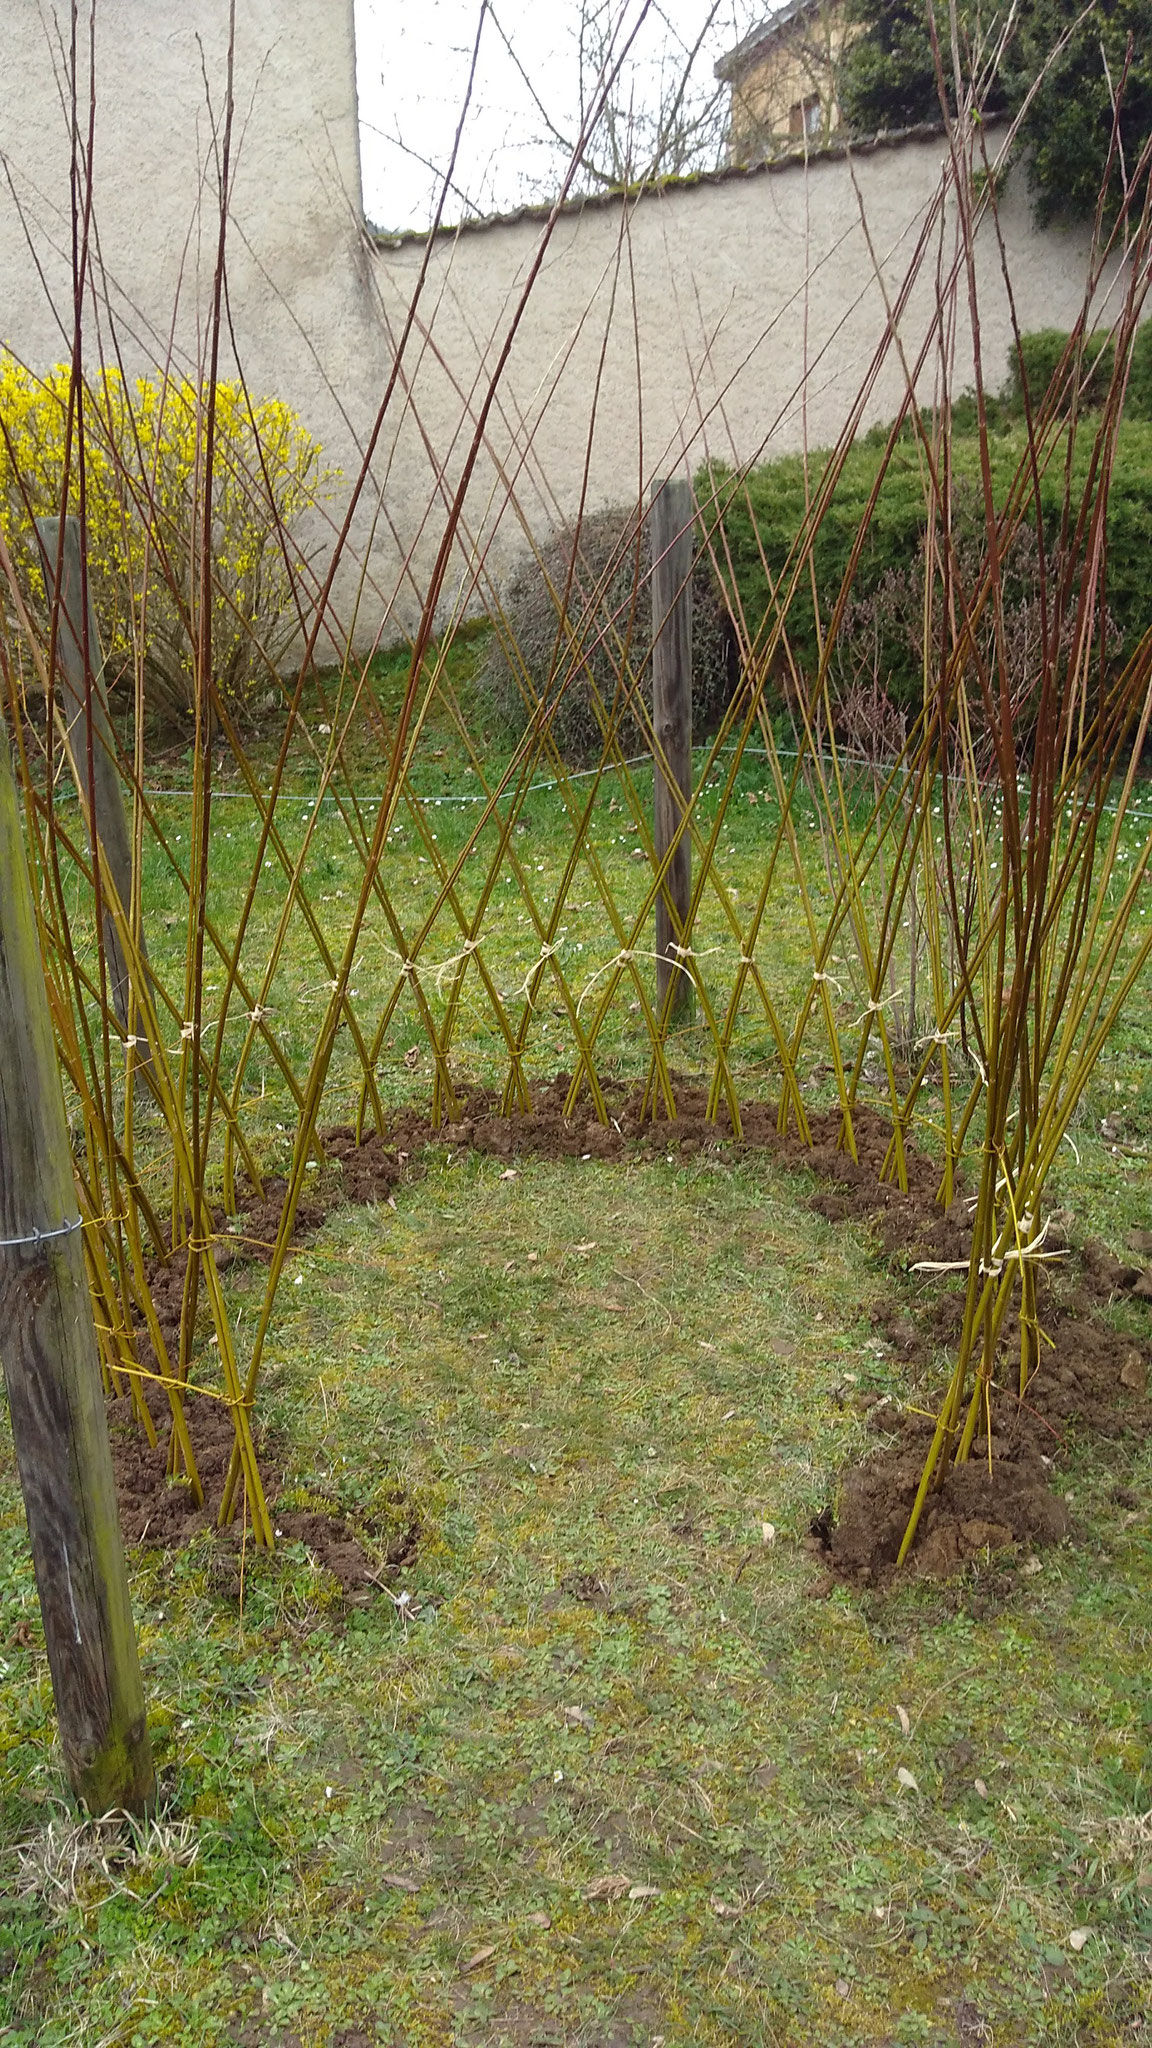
732	316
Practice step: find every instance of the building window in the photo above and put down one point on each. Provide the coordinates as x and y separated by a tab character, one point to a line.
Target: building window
805	119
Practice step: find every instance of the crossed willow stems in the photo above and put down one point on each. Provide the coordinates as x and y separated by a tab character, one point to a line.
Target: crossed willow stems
990	856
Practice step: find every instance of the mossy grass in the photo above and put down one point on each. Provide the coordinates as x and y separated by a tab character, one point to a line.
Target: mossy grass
596	1384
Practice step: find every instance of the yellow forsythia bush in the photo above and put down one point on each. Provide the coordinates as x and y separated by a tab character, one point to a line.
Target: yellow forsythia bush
144	450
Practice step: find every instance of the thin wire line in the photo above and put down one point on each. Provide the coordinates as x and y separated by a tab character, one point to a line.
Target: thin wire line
8	1244
574	775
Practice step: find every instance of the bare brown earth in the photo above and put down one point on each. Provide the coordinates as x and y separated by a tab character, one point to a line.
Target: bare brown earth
162	1513
1093	1380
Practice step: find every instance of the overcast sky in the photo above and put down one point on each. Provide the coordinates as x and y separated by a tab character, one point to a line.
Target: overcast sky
414	58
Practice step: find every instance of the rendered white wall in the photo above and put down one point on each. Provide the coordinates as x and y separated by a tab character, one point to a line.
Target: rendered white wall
722	318
728	319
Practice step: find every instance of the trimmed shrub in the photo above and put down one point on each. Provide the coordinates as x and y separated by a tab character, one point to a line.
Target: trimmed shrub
598	644
1138	405
1039	357
764	513
143	458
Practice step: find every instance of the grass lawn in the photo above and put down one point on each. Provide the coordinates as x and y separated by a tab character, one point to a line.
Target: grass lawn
597	1384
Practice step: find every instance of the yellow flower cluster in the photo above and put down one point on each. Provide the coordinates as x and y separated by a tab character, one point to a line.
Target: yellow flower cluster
131	460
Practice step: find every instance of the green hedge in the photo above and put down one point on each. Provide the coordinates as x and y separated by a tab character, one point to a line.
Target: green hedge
768	512
1040	353
1039	358
1139	402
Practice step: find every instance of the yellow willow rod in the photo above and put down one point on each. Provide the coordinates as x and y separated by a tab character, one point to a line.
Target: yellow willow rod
526	757
747	964
505	852
200	1240
979	1397
229	960
705	874
946	1421
916	812
137	969
582	848
1005	1261
546	929
846	909
515	1086
1049	1133
1072	1073
785	835
200	1244
116	1347
938	1041
71	1060
1092	963
295	895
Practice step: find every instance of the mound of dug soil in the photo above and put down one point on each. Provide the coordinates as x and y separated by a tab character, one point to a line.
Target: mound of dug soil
977	1510
1092	1380
362	1173
156	1511
160	1513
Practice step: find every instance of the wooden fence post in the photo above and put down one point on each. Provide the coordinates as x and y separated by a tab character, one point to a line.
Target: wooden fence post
670	529
109	817
52	1369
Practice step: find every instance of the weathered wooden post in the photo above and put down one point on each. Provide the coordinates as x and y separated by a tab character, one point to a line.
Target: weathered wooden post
104	799
52	1370
670	530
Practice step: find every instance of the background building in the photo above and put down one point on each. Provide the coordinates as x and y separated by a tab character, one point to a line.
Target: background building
783	81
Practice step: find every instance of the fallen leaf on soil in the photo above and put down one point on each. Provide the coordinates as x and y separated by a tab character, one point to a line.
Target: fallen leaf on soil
396	1883
981	1787
1078	1937
611	1886
643	1891
907	1780
723	1910
481	1956
902	1717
